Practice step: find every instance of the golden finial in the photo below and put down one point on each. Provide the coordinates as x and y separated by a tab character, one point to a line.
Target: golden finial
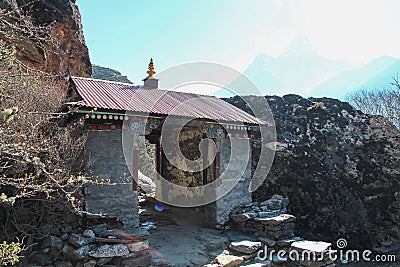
151	71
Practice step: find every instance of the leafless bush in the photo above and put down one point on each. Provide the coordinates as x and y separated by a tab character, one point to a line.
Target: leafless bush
39	171
384	102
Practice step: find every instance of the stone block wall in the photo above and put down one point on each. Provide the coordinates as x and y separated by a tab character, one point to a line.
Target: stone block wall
235	154
105	154
114	198
114	201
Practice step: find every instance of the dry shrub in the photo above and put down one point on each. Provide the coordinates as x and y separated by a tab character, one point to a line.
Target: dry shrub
40	148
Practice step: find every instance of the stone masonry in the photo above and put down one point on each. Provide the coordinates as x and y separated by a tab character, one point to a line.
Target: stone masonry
111	193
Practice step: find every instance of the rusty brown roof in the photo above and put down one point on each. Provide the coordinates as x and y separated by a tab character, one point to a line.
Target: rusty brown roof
127	97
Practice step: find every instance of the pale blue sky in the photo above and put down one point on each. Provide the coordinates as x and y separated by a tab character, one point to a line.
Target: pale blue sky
124	34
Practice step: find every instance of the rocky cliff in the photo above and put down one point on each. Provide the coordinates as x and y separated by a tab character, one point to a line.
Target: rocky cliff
339	167
67	54
104	73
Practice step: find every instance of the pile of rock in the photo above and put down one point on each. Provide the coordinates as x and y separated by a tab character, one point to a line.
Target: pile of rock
97	246
276	244
290	253
267	218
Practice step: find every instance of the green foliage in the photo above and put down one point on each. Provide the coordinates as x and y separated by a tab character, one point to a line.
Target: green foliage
9	253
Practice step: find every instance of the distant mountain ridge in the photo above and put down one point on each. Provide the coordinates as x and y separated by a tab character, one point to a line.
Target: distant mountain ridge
300	70
104	73
375	74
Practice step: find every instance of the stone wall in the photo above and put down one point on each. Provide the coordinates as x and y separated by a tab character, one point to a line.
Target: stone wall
114	201
234	162
106	158
113	196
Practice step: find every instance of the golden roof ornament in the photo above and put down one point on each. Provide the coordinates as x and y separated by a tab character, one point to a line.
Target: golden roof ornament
151	71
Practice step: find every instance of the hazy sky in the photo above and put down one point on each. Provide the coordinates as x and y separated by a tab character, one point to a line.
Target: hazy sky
124	34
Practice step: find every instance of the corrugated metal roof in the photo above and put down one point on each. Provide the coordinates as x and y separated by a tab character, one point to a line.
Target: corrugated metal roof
122	96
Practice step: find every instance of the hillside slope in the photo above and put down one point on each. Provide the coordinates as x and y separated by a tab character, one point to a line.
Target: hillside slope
339	168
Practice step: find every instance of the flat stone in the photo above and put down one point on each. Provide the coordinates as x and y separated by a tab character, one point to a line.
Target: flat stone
266	214
313	246
80	253
131	234
99	229
88	233
272	227
229	260
272	204
277	220
78	240
267	241
237	218
255	225
247	247
138	246
279	234
108	251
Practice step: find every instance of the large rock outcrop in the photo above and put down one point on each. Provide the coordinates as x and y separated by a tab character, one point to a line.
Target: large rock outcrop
104	73
339	167
70	55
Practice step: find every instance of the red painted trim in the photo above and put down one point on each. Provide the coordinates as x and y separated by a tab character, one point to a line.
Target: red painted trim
93	127
118	127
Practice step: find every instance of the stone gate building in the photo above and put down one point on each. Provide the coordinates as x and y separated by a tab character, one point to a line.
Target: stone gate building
120	116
